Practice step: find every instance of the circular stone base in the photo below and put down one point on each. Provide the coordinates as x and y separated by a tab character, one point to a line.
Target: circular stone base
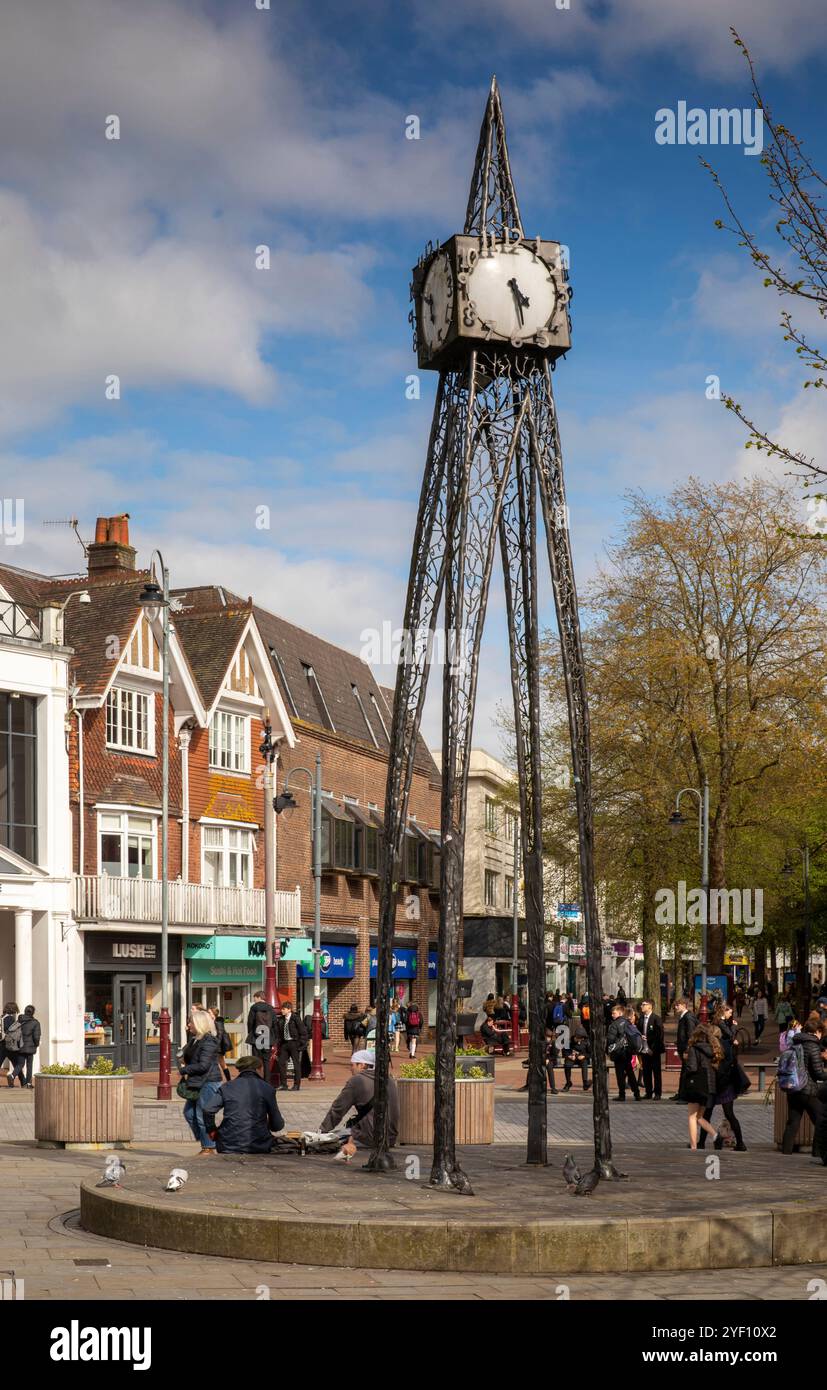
679	1210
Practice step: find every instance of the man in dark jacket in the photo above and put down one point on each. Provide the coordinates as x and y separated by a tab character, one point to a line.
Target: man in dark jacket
651	1030
687	1023
358	1094
291	1036
30	1041
251	1114
811	1099
619	1049
261	1029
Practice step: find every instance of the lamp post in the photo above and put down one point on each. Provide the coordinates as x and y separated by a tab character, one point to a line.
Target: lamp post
154	599
677	821
269	753
285	803
515	997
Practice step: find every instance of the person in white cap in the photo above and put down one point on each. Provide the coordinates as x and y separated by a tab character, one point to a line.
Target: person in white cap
358	1095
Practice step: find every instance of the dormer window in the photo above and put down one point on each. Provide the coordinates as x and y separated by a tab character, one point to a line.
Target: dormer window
229	742
318	697
357	697
130	721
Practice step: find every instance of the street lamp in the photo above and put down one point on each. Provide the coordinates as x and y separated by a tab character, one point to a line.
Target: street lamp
515	997
154	599
285	804
269	752
676	823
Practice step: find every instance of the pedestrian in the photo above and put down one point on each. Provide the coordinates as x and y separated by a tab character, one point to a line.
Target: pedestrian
502	1010
225	1042
489	1006
577	1054
687	1023
22	1057
740	999
370	1029
783	1013
291	1038
551	1058
787	1037
358	1094
621	995
200	1076
413	1027
251	1113
704	1055
9	1017
585	1013
394	1025
807	1099
729	1079
261	1029
650	1025
760	1011
354	1027
619	1048
770	992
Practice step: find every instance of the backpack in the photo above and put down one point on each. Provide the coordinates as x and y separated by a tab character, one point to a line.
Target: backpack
634	1037
792	1069
414	1017
585	1012
13	1036
558	1013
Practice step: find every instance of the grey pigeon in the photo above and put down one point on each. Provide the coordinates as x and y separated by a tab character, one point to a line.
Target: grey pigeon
177	1178
571	1172
113	1172
586	1185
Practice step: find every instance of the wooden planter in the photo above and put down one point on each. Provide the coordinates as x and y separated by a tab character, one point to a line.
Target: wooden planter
486	1062
475	1111
90	1112
804	1139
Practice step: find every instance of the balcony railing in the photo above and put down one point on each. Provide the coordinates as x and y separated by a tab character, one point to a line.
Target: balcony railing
104	898
16	622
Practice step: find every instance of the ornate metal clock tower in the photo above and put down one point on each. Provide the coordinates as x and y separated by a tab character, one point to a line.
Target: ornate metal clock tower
491	316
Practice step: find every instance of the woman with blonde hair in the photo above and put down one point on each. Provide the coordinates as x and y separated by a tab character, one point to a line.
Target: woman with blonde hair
703	1057
200	1075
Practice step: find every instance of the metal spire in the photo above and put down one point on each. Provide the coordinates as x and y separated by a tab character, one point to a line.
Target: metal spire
492	202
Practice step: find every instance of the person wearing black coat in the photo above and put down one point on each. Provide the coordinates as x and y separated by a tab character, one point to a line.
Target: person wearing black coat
24	1059
291	1037
201	1073
261	1028
729	1082
251	1113
650	1026
495	1037
577	1054
704	1055
812	1099
620	1050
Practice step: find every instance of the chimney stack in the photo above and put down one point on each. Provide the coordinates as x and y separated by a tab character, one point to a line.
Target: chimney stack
110	556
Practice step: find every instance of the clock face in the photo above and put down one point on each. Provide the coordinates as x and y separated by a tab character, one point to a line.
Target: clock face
437	302
513	294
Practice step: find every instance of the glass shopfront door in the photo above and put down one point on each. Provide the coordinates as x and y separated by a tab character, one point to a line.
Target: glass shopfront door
130	1031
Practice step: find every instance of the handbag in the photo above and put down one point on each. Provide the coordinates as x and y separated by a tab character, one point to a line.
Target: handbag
186	1092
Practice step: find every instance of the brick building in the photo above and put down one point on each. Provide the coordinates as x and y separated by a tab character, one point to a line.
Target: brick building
229	663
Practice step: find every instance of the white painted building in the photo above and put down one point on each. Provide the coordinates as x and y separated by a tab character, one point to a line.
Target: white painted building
41	953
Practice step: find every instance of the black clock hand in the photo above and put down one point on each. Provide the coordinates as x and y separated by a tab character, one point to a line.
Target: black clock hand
429	300
520	299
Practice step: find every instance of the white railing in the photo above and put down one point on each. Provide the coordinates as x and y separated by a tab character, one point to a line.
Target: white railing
102	897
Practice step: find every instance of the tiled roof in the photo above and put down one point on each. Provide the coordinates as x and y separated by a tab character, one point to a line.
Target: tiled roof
209	630
88	628
132	791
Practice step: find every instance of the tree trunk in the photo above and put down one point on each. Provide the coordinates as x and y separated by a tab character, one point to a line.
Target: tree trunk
716	931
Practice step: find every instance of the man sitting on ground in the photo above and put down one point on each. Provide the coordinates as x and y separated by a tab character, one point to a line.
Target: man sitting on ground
358	1094
251	1113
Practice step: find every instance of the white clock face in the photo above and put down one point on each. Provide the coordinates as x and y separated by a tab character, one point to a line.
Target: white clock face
437	302
513	293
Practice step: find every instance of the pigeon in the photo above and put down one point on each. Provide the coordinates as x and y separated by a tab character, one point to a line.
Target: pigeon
586	1185
176	1180
113	1172
571	1173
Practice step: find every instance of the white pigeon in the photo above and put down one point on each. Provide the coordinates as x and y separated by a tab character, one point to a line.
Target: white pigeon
113	1171
176	1180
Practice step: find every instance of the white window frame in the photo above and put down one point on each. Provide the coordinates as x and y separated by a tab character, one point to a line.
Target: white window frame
124	816
120	694
232	745
227	830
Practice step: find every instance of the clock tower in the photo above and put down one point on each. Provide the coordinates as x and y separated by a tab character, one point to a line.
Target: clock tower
490	315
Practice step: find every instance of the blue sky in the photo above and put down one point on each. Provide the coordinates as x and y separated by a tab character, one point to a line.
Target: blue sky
286	388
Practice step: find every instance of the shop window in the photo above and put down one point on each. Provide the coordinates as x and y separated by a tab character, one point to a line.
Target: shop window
228	856
126	845
130	722
230	742
18	766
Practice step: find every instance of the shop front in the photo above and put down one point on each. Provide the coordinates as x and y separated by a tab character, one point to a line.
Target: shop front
122	1008
403	972
224	974
337	967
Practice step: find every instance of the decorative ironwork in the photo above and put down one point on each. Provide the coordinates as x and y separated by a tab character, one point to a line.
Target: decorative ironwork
494	452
